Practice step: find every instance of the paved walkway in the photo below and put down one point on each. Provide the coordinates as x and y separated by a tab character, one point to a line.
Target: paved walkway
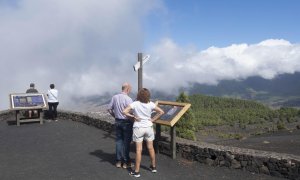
67	150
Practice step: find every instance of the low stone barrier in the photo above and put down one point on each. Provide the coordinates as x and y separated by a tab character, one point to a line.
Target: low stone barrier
100	120
7	115
270	163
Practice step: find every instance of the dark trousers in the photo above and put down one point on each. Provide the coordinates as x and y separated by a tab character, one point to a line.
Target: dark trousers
123	139
52	109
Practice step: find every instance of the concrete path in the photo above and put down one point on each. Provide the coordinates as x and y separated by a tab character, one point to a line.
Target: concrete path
67	150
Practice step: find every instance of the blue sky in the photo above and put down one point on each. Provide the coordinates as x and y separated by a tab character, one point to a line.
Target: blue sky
88	47
220	23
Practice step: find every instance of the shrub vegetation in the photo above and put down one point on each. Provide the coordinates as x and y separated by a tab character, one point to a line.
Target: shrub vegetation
186	127
215	111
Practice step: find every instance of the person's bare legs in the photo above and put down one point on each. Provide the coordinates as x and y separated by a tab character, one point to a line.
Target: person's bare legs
35	112
151	153
138	156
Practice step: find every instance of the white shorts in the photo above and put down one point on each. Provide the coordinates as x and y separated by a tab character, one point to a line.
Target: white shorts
139	134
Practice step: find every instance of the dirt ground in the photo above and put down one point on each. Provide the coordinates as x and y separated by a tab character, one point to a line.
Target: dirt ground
281	141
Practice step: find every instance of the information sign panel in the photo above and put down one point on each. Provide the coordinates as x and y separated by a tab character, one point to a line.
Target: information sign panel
173	112
21	101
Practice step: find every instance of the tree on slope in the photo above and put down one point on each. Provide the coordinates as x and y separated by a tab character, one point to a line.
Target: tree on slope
186	126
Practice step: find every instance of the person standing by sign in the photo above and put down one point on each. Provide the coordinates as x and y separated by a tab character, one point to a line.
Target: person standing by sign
32	90
123	126
52	95
142	127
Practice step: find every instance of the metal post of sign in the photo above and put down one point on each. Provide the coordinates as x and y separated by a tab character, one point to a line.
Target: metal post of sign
139	67
173	142
140	71
157	137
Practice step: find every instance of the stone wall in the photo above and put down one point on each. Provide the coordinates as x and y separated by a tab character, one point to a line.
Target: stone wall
274	164
100	120
7	115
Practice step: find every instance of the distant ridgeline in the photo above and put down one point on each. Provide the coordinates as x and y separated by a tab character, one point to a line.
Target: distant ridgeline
210	110
282	91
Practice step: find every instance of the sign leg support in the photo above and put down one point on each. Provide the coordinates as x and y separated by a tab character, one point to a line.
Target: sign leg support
18	117
41	114
173	142
157	137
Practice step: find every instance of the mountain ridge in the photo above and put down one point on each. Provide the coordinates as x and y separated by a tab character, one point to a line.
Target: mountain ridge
283	90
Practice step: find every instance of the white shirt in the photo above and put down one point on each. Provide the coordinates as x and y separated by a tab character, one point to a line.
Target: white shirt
142	111
52	95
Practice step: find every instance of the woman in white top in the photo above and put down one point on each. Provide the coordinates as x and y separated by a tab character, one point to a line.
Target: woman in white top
52	95
142	127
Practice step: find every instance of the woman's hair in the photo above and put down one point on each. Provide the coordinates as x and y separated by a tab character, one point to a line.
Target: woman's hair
143	95
52	86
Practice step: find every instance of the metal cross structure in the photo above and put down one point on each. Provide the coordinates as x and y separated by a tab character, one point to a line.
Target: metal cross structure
139	67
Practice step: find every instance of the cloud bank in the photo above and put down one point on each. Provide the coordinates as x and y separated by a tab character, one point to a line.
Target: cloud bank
89	47
84	47
174	66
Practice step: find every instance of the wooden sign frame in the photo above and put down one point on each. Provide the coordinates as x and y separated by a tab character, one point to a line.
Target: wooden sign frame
26	101
183	107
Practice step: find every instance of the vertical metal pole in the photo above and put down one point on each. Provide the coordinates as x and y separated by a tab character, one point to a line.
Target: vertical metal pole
140	71
173	142
18	117
157	137
41	114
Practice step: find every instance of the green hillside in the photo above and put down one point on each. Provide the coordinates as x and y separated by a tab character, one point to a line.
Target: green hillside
213	111
281	91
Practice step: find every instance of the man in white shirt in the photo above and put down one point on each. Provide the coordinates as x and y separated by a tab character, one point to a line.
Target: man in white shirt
52	95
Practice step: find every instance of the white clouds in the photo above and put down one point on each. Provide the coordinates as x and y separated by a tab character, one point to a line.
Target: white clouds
89	47
84	47
274	42
178	66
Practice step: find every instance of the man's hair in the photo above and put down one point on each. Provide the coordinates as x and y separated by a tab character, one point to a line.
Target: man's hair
52	86
143	95
31	85
125	86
